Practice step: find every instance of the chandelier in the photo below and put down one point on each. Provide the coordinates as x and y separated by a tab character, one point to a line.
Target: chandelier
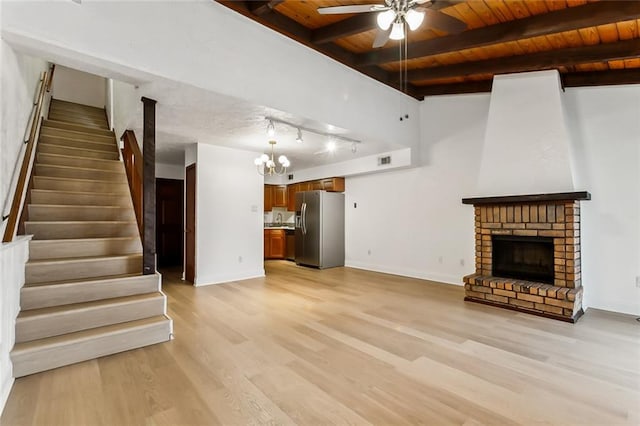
267	166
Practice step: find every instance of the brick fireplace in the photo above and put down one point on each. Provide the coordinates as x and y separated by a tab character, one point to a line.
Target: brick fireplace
528	254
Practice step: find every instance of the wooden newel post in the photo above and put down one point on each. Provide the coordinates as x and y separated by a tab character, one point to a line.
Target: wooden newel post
149	187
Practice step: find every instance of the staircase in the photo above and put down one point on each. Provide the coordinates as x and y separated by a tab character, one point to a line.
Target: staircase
84	294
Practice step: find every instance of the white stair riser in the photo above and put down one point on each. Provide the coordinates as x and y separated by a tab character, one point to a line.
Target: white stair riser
47	148
80	269
88	163
64	230
42	182
59	249
55	324
82	199
69	113
61	125
44	296
76	173
30	362
38	212
76	108
100	123
92	144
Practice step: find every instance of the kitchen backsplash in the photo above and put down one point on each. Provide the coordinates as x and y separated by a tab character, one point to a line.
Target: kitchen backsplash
272	216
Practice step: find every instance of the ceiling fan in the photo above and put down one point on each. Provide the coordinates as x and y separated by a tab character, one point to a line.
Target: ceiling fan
394	14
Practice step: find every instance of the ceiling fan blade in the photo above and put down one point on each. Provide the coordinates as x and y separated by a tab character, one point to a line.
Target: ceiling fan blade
356	8
442	21
382	37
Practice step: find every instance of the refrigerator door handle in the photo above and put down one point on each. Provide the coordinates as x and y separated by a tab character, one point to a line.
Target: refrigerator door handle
304	218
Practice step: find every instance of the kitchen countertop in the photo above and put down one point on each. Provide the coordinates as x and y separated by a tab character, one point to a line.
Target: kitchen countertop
289	227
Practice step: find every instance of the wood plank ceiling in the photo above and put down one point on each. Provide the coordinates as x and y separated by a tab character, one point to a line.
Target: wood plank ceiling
589	42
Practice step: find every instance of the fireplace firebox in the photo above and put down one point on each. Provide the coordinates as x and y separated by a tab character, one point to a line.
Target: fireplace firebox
528	254
525	258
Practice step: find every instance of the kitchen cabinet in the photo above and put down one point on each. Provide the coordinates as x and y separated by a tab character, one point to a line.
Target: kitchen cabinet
274	243
304	186
291	197
275	196
335	184
268	198
279	196
267	243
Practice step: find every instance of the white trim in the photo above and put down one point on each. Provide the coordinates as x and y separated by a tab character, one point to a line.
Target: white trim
222	279
405	272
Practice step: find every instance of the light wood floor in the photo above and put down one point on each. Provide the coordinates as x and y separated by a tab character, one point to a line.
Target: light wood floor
347	346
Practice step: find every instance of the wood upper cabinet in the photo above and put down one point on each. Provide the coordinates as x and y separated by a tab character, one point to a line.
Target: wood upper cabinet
304	186
335	184
291	197
268	198
274	243
279	196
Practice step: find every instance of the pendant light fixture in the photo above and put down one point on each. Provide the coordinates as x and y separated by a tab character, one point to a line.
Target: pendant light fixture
266	164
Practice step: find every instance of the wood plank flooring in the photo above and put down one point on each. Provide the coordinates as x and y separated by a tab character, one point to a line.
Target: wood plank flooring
338	346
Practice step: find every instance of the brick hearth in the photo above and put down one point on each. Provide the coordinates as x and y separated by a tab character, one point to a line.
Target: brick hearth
548	215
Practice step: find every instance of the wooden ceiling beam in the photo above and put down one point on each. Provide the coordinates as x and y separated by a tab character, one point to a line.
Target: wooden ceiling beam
601	78
536	61
360	23
589	15
576	79
453	88
260	8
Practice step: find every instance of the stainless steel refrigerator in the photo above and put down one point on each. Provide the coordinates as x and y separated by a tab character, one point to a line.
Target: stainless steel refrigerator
320	229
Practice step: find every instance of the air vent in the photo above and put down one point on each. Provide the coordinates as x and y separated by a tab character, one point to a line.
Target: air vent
384	161
290	176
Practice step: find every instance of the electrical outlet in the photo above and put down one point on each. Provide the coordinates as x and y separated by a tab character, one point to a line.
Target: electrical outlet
440	259
239	259
461	262
638	281
369	252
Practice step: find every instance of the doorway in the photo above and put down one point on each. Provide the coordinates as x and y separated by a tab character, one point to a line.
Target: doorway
169	222
190	228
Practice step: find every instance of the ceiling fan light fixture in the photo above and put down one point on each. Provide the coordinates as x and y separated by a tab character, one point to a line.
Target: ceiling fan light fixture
331	146
385	19
414	19
397	31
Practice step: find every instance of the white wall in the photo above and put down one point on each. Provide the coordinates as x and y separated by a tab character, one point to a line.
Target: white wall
412	220
605	122
126	108
79	87
229	217
19	81
169	171
13	256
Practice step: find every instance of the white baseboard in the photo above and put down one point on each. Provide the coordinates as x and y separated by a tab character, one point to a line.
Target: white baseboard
221	279
406	272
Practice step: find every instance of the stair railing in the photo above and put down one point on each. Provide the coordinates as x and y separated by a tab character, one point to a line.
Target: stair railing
29	156
132	157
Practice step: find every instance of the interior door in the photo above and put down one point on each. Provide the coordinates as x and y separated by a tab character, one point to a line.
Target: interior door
169	221
190	225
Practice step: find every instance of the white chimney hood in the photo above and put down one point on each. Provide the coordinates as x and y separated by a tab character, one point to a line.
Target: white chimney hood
527	145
